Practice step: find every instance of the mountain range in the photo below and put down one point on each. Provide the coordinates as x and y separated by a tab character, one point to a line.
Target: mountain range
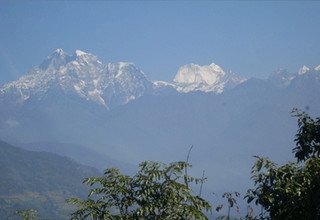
114	110
108	85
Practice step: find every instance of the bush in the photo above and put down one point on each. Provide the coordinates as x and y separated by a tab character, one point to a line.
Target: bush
157	191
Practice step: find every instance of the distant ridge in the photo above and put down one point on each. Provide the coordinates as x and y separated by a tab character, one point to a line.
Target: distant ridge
39	180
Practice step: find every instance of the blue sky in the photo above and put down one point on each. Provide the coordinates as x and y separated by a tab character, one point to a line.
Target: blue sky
249	38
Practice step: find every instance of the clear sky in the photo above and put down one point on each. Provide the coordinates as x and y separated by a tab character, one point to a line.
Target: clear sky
249	38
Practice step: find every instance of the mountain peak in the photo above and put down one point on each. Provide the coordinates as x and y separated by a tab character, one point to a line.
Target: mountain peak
79	53
317	68
303	70
59	51
216	67
207	78
56	59
83	75
194	73
80	56
121	65
125	64
125	68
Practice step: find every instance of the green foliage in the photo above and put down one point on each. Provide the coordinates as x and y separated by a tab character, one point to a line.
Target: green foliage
291	191
160	191
308	137
231	198
27	214
157	191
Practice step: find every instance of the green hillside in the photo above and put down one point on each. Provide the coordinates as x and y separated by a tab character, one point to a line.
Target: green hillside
39	180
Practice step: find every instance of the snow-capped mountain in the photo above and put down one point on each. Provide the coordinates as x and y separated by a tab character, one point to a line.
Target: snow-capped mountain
80	74
282	78
83	75
207	78
303	70
124	83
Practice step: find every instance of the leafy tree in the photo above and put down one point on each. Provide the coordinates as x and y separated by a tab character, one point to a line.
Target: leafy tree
308	137
231	203
157	191
27	214
291	191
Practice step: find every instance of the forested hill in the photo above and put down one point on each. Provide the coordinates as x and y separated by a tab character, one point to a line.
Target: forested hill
39	180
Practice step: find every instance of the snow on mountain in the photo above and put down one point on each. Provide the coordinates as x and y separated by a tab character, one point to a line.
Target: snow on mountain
207	78
283	78
55	60
193	73
303	70
124	83
160	84
67	73
81	74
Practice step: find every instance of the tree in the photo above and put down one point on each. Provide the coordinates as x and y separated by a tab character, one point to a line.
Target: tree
308	137
231	203
291	191
27	214
157	191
